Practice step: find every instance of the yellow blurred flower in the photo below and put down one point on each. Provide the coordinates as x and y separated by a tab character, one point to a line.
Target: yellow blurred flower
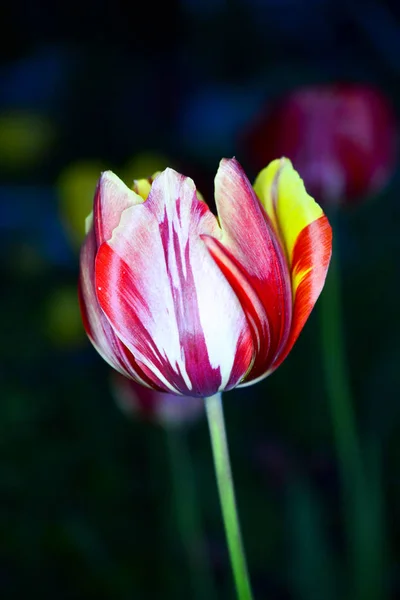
25	139
63	326
76	185
143	165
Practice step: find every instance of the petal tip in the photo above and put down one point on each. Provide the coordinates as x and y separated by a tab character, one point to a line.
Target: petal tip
285	161
231	168
229	162
107	177
89	222
172	179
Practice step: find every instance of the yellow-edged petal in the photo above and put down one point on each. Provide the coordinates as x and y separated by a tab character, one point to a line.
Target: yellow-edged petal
304	233
283	195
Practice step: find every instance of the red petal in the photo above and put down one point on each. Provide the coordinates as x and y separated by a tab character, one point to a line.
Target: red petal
254	263
96	325
311	257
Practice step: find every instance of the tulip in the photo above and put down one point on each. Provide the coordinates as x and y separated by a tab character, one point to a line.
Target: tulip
341	138
190	304
187	303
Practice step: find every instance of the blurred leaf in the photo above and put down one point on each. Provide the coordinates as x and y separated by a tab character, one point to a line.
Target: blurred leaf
369	530
311	559
63	322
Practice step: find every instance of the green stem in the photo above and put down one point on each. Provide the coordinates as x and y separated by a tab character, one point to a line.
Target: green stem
362	518
223	472
188	515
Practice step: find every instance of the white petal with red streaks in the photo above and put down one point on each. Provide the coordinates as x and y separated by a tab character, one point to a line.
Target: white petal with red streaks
96	324
112	197
164	295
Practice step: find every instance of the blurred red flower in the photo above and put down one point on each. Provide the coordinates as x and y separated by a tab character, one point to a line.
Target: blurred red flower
342	139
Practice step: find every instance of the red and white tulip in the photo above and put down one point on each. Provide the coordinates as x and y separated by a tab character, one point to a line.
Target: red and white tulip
187	303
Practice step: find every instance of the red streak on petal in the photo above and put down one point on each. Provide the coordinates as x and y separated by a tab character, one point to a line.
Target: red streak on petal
265	305
119	306
243	359
105	339
312	253
205	379
256	260
253	308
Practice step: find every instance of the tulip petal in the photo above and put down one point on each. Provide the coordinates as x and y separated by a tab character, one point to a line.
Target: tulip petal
96	324
251	304
253	261
166	298
142	187
111	198
305	234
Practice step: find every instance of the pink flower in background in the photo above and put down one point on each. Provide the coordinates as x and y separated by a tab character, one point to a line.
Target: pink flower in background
166	409
342	138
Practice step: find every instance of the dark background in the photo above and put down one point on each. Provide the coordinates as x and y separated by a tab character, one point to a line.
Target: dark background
85	493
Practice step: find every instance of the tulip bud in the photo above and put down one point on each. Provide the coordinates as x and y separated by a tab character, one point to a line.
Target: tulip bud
188	304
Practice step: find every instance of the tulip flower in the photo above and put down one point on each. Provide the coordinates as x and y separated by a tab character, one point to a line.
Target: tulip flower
187	303
341	138
190	304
